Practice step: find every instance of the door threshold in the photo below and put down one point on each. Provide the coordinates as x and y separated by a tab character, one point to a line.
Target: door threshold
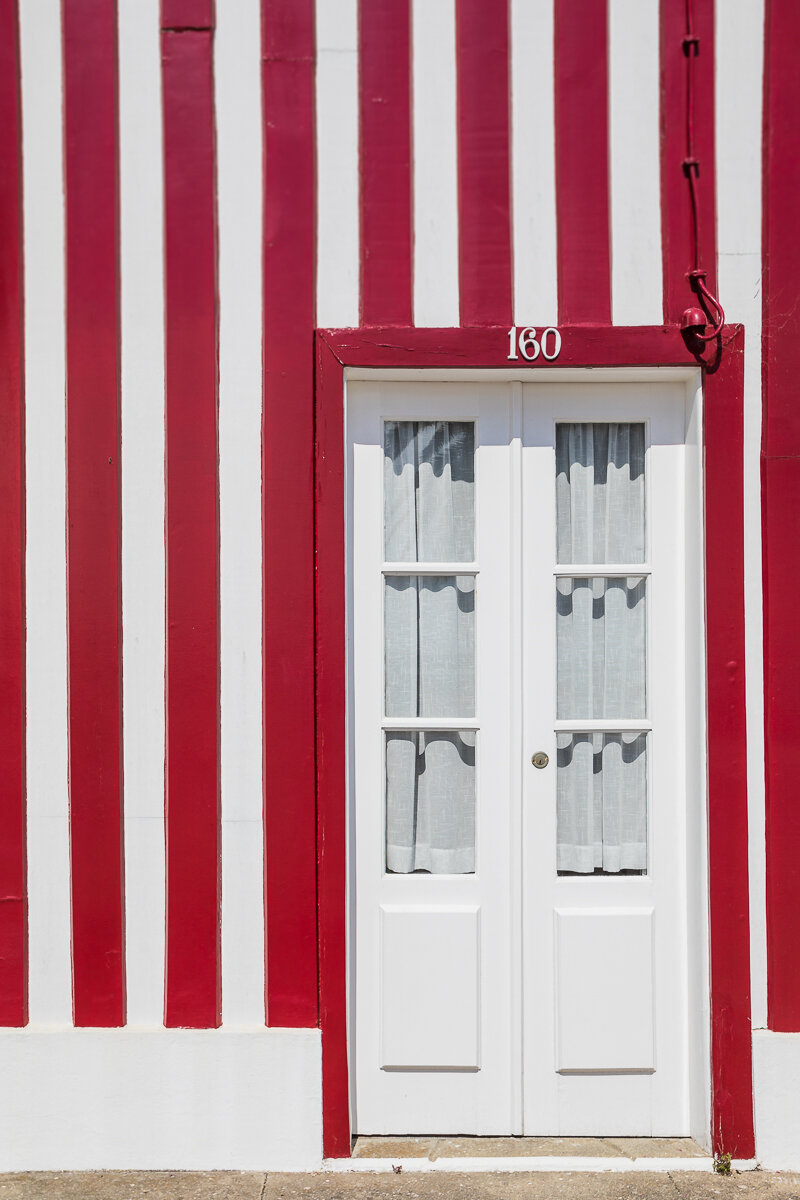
516	1154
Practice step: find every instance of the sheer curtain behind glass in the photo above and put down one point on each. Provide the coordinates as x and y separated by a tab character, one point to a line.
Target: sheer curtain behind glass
601	647
428	491
600	492
602	788
429	645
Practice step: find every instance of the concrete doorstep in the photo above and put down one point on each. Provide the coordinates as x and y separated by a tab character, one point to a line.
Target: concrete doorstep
364	1185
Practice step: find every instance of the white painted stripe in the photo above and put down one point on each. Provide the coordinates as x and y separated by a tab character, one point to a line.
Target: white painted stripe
337	164
533	163
739	34
237	70
634	166
46	616
738	103
435	165
142	375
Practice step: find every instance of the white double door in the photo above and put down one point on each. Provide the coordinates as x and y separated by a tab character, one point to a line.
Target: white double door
518	946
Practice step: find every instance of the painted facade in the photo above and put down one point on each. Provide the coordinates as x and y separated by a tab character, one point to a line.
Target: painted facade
187	197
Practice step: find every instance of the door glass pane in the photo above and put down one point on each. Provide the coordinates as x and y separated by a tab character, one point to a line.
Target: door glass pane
600	492
601	799
429	491
430	802
429	646
601	647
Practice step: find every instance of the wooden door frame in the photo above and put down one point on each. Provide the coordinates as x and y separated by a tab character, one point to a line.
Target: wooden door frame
723	433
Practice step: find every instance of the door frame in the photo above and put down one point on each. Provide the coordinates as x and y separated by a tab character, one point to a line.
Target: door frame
585	346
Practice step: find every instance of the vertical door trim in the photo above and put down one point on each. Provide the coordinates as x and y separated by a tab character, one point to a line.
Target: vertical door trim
584	346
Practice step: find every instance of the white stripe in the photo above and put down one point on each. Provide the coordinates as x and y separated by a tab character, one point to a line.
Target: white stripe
237	69
435	171
46	615
142	375
738	103
337	164
533	159
634	164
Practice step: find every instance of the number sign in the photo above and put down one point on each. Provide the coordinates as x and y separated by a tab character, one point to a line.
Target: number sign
524	342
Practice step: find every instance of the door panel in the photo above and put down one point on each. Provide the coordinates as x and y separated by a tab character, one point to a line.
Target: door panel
604	990
436	1046
604	888
430	987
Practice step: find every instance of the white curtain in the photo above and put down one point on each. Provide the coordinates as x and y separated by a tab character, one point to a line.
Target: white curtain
429	645
430	802
429	491
602	802
600	492
429	638
600	635
601	647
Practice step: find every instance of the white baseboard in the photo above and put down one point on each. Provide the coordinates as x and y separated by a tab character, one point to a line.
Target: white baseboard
160	1099
776	1088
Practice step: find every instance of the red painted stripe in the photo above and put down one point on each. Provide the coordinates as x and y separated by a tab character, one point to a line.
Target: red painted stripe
677	239
731	1047
93	511
781	518
192	534
484	170
331	761
781	318
582	184
386	187
781	506
187	14
13	904
288	511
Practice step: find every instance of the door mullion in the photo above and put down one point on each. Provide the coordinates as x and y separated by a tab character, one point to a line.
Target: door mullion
516	753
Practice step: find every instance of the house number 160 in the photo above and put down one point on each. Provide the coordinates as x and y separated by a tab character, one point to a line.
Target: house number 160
549	344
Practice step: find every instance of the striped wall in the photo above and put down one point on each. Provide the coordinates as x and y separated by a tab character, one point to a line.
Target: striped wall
197	188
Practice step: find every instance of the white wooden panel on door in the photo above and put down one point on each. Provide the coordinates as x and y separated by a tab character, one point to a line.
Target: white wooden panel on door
604	990
430	987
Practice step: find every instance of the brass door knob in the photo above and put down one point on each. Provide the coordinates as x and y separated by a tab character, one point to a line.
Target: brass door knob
540	759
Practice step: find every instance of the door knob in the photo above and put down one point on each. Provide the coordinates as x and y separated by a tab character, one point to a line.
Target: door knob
540	759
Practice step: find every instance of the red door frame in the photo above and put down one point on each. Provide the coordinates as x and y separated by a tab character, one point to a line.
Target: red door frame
582	346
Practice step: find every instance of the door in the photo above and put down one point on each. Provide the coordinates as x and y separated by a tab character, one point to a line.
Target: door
517	730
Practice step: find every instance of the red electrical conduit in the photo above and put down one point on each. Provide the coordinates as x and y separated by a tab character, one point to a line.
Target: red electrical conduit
691	168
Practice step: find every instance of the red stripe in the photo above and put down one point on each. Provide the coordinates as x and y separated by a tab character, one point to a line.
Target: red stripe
677	239
13	904
192	534
93	511
288	512
331	762
781	518
582	184
484	171
781	506
731	1050
386	188
187	14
